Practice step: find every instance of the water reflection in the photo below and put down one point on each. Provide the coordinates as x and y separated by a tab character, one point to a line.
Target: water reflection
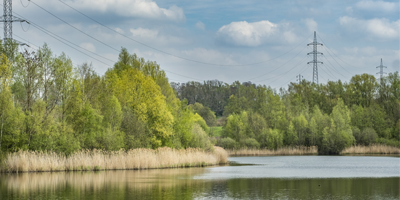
195	183
94	184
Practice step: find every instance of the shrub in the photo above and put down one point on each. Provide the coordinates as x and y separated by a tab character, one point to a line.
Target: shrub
368	136
200	138
251	143
227	143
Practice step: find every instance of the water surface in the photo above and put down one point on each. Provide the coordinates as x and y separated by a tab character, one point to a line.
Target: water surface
275	177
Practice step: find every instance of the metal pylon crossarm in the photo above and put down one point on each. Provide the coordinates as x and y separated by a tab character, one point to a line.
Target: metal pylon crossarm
315	57
8	19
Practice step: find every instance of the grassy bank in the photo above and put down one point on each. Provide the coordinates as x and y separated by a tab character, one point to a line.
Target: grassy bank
372	149
282	151
33	161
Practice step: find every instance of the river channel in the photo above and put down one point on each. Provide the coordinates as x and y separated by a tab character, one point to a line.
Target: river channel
273	177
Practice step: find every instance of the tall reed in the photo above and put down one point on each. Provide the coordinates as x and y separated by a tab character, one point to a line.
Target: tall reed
87	160
371	149
299	150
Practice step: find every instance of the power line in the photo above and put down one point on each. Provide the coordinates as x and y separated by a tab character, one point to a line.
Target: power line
279	66
59	38
302	71
45	30
336	55
335	68
278	76
8	20
328	66
337	61
75	27
156	49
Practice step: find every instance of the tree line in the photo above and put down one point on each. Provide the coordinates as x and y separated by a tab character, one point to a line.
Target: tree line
331	116
48	104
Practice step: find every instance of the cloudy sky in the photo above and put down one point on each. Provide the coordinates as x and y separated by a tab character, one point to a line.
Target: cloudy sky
264	42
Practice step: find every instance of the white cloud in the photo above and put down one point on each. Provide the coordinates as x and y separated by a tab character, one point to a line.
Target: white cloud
200	25
311	24
144	33
374	28
147	9
119	30
377	6
88	46
253	34
155	37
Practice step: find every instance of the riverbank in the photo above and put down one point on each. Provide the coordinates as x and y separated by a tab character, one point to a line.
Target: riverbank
95	160
372	149
282	151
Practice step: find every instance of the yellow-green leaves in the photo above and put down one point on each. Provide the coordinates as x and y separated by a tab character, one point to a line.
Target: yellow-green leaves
141	94
5	72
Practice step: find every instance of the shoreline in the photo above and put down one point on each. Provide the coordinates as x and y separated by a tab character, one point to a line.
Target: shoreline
279	152
374	149
96	160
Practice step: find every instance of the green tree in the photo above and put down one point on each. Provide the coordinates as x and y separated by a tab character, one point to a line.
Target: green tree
339	134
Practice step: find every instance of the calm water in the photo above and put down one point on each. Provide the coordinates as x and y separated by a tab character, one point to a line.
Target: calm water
278	177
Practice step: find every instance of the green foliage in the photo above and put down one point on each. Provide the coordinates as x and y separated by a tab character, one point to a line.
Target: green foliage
339	134
216	131
227	143
47	104
251	143
290	137
200	121
271	139
200	138
205	113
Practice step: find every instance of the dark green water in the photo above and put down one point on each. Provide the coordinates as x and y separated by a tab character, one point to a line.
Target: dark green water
280	177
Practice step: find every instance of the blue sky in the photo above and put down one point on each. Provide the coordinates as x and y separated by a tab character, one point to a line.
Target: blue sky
230	35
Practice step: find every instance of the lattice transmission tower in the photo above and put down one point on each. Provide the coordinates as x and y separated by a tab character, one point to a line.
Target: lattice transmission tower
299	78
381	69
8	19
315	57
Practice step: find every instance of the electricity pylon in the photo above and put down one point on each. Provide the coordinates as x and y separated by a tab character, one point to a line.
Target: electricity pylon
8	19
381	69
315	60
299	77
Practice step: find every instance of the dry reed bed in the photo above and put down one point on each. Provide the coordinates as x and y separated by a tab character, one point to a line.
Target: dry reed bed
282	151
372	149
87	160
90	180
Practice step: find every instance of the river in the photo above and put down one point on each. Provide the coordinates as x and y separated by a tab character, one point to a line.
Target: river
273	177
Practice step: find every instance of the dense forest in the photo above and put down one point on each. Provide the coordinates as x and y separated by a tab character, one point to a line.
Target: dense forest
47	103
331	116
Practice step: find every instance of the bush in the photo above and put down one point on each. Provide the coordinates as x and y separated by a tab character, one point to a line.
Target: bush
251	143
227	143
271	139
357	134
368	136
200	138
391	142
